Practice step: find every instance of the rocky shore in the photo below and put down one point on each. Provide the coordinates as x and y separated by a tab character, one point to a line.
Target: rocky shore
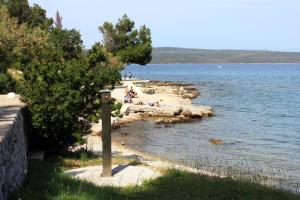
174	103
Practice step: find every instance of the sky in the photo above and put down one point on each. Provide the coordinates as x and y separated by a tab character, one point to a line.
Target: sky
205	24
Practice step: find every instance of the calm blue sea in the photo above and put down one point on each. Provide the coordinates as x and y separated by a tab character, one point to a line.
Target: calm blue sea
257	116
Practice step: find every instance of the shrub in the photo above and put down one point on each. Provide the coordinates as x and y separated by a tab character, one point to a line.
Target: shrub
63	97
7	83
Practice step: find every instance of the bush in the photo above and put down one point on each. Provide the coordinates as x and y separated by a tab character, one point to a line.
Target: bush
63	97
7	83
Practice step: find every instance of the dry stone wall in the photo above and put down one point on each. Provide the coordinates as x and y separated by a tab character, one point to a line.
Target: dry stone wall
13	160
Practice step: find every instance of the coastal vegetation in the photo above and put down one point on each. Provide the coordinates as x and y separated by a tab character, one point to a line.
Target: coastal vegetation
58	79
182	55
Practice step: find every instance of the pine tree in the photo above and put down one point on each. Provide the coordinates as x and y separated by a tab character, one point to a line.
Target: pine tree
58	21
124	41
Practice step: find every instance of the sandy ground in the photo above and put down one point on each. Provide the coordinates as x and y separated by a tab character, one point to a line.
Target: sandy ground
123	175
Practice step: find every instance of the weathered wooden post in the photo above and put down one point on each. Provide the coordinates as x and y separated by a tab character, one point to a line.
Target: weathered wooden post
106	135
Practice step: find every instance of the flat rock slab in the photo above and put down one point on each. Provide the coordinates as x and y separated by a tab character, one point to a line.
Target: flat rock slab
123	175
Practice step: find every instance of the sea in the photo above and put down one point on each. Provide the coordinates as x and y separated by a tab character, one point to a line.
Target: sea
256	116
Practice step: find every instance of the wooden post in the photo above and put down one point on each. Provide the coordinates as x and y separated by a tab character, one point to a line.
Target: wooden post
106	135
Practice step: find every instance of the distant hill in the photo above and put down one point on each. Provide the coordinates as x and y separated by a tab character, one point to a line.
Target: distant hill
183	55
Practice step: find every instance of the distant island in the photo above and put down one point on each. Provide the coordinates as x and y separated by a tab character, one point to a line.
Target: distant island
183	55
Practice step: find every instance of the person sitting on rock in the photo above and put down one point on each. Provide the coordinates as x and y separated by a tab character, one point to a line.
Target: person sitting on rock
127	96
127	99
133	93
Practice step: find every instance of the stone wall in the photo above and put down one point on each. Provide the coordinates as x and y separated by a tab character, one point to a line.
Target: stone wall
13	160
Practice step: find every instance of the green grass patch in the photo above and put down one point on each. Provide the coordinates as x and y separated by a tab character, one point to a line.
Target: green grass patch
45	180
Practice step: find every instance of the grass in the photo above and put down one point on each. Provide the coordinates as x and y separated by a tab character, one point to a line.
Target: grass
45	180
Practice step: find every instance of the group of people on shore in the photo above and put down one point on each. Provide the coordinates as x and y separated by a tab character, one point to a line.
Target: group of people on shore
127	75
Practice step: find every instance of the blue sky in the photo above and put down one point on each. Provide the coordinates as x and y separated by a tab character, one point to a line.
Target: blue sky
206	24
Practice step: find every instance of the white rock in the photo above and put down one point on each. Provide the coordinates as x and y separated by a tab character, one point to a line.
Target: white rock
181	91
11	95
152	110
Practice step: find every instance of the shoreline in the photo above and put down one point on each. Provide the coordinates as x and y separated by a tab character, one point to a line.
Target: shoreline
94	144
176	100
169	93
161	165
176	106
174	103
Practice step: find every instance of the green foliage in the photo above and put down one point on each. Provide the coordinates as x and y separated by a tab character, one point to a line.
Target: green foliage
18	43
18	46
51	90
116	108
62	91
127	43
37	18
59	81
7	84
60	84
18	8
96	55
68	43
34	16
3	59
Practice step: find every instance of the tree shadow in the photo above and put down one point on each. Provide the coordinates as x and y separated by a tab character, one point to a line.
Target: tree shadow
8	110
45	180
118	169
